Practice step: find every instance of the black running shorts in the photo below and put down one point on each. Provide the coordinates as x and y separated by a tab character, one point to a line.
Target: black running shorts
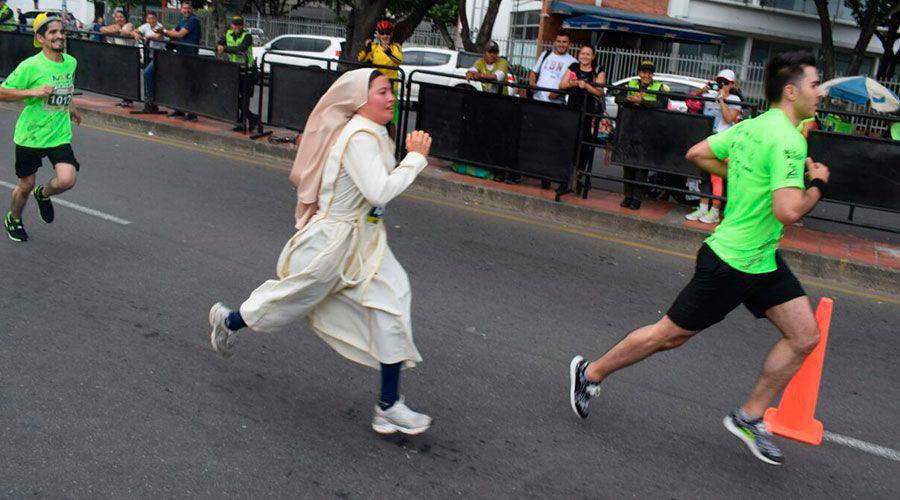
717	289
28	160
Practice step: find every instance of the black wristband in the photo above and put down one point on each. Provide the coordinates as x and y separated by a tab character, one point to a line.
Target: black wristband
820	184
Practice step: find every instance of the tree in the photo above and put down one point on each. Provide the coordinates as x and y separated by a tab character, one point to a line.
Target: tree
869	14
827	49
442	15
365	13
484	31
888	35
275	8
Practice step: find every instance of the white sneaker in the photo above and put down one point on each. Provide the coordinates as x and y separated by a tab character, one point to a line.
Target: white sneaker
696	214
711	217
399	418
221	338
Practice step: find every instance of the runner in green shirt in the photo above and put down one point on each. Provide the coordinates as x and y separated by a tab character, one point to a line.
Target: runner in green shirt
739	264
45	82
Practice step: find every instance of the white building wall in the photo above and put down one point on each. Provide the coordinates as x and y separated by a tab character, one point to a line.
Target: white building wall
754	21
475	10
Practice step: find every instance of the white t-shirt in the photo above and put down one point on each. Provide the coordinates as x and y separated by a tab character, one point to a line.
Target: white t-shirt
147	30
550	73
713	109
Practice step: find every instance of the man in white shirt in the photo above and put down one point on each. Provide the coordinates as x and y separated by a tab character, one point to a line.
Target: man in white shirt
151	34
549	69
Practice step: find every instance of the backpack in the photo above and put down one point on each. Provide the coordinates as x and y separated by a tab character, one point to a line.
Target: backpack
528	92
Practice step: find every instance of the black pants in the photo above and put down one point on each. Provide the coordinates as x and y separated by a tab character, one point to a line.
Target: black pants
245	93
634	174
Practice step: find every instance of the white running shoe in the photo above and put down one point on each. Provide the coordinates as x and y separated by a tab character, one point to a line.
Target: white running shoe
696	214
711	217
399	418
221	338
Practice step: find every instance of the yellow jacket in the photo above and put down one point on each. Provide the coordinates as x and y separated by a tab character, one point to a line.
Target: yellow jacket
377	55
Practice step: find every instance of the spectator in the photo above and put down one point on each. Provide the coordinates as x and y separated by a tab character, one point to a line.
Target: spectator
119	30
725	112
150	33
7	18
95	27
488	70
641	93
549	69
23	21
238	44
116	33
385	53
187	32
582	95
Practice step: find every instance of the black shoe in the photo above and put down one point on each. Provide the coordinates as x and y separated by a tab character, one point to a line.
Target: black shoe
754	434
190	117
14	228
45	206
238	128
635	204
545	184
626	202
580	388
176	114
151	108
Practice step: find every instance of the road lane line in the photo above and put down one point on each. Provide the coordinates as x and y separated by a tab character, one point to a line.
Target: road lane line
85	210
872	449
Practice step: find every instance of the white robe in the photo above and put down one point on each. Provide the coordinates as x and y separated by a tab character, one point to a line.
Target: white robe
338	270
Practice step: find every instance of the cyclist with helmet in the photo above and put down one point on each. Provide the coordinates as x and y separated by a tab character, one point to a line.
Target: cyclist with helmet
383	52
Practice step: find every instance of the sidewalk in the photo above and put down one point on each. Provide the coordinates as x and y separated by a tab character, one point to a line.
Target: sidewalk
815	253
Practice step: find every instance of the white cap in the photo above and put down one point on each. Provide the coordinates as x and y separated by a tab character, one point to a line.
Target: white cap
726	74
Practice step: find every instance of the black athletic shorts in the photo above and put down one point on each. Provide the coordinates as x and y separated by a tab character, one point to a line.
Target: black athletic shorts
717	289
28	160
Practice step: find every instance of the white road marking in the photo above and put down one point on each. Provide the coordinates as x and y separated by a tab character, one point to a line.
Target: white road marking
79	208
874	449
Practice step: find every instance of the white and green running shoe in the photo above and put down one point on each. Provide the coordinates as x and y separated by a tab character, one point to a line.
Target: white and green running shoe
754	434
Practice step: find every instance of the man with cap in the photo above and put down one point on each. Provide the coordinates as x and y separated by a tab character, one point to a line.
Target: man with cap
7	17
45	82
238	44
642	93
490	69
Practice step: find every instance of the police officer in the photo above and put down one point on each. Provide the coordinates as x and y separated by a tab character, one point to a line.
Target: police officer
638	96
7	18
238	44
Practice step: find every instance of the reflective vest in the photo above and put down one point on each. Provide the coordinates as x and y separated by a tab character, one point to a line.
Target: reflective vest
231	41
9	24
655	86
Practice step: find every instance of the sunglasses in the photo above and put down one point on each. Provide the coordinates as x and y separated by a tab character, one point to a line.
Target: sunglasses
385	32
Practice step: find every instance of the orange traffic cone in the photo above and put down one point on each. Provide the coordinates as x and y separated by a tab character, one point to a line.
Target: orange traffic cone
795	416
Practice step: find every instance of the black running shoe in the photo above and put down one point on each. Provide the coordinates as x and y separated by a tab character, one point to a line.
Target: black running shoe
754	434
14	228
45	206
580	388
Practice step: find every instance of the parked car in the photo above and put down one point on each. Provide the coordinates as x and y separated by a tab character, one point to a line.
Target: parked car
259	36
677	84
442	61
327	47
69	20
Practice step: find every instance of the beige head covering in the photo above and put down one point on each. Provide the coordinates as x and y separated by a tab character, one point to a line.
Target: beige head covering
345	96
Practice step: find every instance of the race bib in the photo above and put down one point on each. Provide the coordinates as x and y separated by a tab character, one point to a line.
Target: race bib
59	100
375	215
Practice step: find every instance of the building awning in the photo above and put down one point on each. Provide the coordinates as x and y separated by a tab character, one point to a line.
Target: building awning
593	18
676	34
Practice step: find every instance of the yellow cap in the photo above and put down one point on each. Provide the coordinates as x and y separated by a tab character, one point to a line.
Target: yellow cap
40	20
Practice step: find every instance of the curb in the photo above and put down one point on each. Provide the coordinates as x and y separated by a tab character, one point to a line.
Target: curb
434	183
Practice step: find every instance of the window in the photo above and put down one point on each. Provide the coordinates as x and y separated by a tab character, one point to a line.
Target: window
763	50
679	88
524	25
424	58
301	44
732	49
835	7
467	59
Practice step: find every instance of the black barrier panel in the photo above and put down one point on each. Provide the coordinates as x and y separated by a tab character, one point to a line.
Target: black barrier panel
107	68
658	139
197	84
294	92
531	137
864	171
14	48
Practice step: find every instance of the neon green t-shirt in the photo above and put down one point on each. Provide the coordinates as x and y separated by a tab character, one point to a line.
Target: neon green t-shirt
765	154
45	122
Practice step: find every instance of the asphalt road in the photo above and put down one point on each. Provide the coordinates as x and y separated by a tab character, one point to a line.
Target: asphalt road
108	387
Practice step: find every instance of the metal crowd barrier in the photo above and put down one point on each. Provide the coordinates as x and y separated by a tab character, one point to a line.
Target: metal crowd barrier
293	91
